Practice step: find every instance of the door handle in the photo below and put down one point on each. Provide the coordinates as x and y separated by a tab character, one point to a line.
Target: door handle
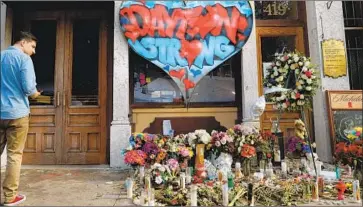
58	101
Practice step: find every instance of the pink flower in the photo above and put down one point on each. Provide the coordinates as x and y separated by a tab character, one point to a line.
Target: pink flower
184	152
218	144
173	164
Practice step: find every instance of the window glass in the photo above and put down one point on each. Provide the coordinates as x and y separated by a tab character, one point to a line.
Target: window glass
152	84
85	62
44	59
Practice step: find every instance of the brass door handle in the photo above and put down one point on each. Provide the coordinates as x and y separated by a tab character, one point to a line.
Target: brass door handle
58	101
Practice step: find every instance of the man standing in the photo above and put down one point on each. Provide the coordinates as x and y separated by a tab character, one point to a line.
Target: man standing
17	84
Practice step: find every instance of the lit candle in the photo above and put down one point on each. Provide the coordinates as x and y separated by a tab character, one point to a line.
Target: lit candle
238	173
129	186
225	194
318	167
193	195
147	182
151	197
356	191
283	167
277	155
182	180
315	192
142	172
142	197
188	179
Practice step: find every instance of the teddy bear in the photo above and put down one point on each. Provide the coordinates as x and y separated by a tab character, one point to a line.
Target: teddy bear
300	130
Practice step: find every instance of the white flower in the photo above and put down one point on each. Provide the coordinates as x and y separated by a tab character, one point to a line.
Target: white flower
293	67
284	105
158	179
252	142
129	148
302	96
277	98
281	78
289	55
275	68
272	76
279	86
307	63
313	77
239	149
301	63
304	76
297	71
304	69
276	54
282	97
293	95
308	88
304	58
289	61
300	102
296	59
276	73
278	63
312	70
301	81
309	81
205	138
223	141
293	104
299	87
286	66
282	59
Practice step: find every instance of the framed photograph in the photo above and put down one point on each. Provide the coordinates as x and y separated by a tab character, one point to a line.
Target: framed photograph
345	115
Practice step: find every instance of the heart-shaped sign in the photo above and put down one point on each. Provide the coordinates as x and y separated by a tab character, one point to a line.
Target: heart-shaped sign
187	39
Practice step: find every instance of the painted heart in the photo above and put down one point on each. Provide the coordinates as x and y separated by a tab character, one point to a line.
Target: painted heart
186	39
188	84
177	73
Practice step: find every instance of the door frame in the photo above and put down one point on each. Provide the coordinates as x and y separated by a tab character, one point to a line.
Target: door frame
61	108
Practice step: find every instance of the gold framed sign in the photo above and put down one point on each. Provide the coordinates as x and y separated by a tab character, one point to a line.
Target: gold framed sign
334	58
345	115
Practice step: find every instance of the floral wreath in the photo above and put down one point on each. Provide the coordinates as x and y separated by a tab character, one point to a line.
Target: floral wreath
292	71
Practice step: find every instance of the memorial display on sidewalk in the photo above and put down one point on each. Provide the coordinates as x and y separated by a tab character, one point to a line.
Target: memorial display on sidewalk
231	168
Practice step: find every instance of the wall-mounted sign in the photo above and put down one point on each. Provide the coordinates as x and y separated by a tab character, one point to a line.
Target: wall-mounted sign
345	115
334	59
186	39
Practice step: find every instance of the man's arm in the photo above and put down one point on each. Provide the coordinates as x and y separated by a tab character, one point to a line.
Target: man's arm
27	77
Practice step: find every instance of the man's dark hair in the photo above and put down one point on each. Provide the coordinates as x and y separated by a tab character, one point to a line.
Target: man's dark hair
25	36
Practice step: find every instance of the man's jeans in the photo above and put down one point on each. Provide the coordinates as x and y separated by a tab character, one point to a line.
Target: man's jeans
13	133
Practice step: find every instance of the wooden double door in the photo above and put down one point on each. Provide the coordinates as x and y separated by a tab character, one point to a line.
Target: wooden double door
68	122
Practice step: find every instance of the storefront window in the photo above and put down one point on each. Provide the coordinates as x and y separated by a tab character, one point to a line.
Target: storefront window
152	85
276	10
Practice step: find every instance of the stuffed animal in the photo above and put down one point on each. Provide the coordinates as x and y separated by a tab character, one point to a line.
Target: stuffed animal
300	130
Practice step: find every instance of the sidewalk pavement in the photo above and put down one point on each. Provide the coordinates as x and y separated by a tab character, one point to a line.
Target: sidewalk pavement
72	186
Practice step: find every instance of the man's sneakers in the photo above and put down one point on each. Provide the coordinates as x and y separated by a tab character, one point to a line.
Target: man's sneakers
17	200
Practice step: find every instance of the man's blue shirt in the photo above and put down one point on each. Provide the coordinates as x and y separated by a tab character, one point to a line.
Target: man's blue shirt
17	83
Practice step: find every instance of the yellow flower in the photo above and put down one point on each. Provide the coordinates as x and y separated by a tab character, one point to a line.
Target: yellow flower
349	186
191	153
351	136
358	129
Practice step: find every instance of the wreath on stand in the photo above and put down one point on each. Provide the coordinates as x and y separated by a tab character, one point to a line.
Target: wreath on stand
295	72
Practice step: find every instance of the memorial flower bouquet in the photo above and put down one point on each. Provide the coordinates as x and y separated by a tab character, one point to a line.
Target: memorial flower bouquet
199	136
297	147
292	71
243	134
221	142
